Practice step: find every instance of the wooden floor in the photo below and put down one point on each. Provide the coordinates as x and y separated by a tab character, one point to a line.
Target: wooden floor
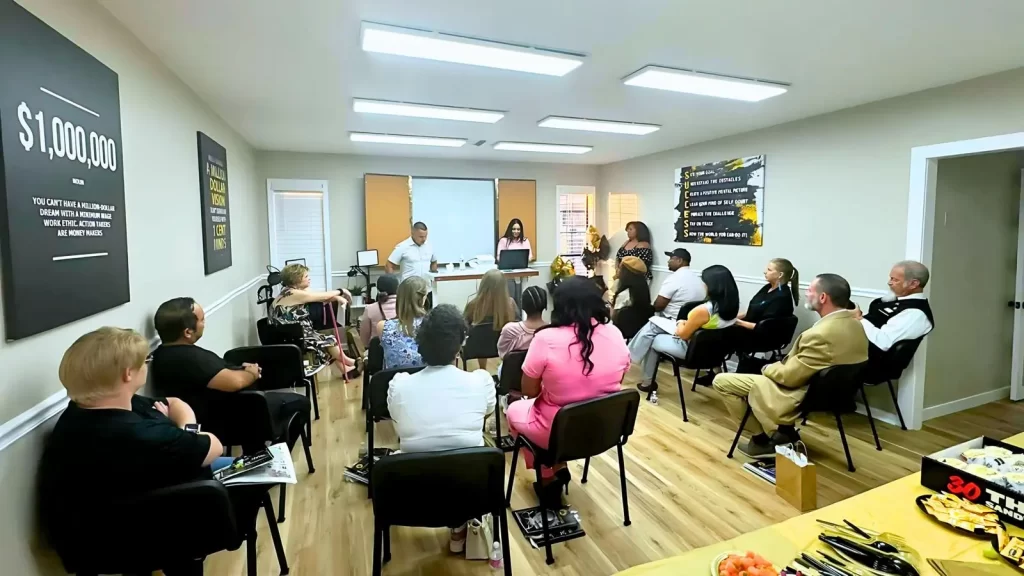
683	492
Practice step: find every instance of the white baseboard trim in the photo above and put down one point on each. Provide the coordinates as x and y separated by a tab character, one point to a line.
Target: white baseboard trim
15	428
882	415
965	403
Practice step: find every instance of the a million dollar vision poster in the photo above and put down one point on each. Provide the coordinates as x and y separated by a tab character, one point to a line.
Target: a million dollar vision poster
721	202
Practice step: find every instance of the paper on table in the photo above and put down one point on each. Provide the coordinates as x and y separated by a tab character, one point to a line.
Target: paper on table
280	471
665	324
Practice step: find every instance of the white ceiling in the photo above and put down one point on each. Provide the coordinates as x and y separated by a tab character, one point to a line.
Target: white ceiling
283	72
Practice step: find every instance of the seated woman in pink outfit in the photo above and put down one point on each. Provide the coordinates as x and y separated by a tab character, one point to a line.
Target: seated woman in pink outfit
579	356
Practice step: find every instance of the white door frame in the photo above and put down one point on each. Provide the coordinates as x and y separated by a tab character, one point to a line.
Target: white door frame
1017	370
924	165
291	185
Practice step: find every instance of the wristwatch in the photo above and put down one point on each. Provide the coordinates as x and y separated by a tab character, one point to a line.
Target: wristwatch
193	428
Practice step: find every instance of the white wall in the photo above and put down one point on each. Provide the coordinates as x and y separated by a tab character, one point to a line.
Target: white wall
159	120
345	176
836	185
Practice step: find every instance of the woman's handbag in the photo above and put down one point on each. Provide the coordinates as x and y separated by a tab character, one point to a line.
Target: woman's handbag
479	538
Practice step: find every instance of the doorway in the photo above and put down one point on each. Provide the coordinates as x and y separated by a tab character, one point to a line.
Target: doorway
974	277
964	223
298	214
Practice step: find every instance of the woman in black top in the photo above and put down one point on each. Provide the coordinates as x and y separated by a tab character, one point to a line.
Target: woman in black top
777	298
637	244
631	305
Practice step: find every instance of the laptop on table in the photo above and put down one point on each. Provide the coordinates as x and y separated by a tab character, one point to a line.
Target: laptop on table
513	259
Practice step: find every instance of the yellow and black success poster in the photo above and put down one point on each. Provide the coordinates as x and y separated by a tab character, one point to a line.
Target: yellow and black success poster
213	187
721	202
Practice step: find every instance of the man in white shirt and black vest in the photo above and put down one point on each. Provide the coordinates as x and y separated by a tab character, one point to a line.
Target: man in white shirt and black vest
903	314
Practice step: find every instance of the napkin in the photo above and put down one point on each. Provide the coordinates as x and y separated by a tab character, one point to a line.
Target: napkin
955	568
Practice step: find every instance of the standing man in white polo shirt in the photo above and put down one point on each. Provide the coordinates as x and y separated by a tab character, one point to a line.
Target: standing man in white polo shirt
414	256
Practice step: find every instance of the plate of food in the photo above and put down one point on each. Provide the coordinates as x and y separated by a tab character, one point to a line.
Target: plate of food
736	563
1010	548
963	515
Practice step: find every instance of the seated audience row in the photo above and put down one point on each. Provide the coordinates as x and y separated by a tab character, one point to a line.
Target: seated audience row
491	305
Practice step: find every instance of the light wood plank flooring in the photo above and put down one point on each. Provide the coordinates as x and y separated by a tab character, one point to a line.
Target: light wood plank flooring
683	492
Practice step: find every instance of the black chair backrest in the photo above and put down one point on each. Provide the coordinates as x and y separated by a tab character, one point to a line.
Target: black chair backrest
281	364
773	334
374	356
688	307
512	372
833	389
378	391
588	428
270	333
239	418
889	365
437	489
203	522
481	342
708	349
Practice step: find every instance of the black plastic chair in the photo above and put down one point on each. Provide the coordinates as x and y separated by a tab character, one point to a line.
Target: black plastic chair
770	335
435	490
582	430
377	410
888	366
207	518
832	390
282	367
481	342
706	349
374	364
511	379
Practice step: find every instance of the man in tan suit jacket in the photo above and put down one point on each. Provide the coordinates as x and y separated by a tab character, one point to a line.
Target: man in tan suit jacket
775	395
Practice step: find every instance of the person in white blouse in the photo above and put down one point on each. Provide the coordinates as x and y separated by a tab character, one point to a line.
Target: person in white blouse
413	256
903	314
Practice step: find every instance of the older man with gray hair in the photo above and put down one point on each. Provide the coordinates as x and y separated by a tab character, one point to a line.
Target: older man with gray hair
904	313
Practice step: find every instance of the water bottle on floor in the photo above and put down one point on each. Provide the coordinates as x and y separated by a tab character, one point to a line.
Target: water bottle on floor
496	560
654	397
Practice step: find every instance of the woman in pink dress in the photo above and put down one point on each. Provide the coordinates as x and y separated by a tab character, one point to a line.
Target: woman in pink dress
579	356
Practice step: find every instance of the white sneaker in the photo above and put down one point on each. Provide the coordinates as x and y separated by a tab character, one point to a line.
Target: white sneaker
503	402
457	541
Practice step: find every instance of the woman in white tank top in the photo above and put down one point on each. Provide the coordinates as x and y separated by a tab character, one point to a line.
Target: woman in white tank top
718	312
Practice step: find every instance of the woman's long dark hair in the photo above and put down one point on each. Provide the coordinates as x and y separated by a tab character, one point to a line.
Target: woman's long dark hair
643	233
508	231
578	303
722	291
639	292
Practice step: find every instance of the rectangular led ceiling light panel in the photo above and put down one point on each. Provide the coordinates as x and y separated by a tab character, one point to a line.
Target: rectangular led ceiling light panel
598	125
704	84
426	111
546	148
450	48
408	140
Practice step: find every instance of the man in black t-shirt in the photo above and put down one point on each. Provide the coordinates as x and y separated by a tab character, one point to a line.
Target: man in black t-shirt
109	444
201	377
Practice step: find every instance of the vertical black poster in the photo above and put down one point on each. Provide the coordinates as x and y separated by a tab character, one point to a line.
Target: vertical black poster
721	202
213	187
63	240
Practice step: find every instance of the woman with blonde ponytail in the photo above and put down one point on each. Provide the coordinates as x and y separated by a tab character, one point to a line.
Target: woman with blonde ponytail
777	298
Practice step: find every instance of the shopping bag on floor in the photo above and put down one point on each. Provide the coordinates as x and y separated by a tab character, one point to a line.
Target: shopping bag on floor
796	479
479	538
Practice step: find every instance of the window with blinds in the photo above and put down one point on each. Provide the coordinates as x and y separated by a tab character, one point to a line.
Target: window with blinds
299	233
575	214
622	209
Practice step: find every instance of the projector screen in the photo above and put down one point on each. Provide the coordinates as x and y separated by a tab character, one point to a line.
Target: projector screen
459	215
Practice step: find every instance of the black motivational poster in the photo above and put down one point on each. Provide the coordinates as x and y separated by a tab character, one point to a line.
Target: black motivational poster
721	202
213	187
62	223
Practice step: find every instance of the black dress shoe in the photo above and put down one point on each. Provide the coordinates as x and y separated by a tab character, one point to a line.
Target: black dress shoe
648	387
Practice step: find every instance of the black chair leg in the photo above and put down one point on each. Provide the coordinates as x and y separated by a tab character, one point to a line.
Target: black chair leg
378	541
679	383
313	398
387	544
867	408
275	535
586	470
250	554
846	447
622	480
369	463
305	448
497	419
896	403
280	504
739	432
695	376
506	553
512	473
550	558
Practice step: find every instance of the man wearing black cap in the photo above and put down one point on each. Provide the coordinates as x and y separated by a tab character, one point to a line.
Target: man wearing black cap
682	286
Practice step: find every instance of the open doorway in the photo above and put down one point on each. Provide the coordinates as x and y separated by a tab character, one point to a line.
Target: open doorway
964	223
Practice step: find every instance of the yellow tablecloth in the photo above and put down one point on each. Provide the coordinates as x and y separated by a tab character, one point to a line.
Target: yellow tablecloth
888	508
